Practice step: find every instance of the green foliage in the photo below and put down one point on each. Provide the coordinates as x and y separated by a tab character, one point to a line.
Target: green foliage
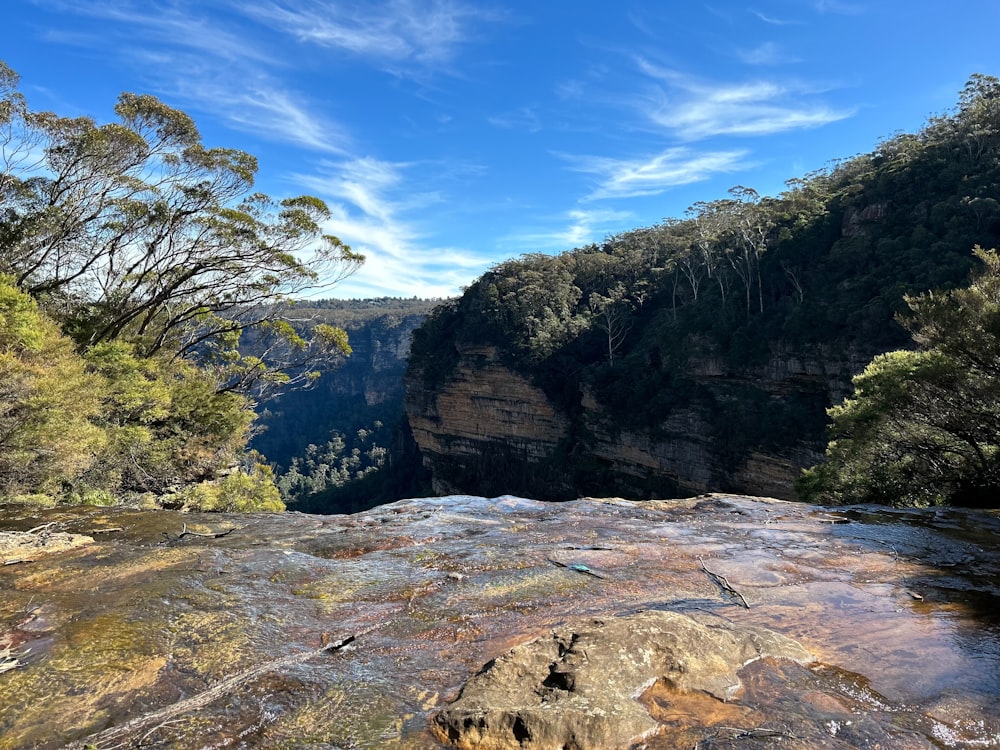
818	273
243	491
334	464
47	402
145	306
135	231
167	424
922	426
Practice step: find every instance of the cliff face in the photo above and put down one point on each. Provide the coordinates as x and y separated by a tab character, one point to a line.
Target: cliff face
366	387
485	415
488	430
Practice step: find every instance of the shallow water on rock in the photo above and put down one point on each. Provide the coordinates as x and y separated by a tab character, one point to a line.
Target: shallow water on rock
151	637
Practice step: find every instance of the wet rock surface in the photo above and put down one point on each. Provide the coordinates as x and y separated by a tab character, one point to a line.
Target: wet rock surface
177	630
577	687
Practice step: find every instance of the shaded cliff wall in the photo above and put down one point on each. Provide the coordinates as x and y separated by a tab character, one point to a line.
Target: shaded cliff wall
488	426
488	430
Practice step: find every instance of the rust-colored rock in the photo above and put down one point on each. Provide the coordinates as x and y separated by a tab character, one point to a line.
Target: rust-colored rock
304	632
578	686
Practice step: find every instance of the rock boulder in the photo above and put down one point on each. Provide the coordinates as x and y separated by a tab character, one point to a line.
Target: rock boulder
577	688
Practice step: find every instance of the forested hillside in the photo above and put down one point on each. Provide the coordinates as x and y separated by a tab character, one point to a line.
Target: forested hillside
699	316
350	426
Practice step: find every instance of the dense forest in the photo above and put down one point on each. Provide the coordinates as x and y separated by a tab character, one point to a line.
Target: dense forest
343	445
825	267
136	265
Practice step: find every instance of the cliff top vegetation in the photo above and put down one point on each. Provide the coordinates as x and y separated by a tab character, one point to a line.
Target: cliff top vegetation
133	260
821	270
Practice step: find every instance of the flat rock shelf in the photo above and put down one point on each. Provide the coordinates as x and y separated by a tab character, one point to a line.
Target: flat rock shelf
719	621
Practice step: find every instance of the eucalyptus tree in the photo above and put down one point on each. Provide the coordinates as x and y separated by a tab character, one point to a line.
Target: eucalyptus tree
750	227
136	231
709	220
612	315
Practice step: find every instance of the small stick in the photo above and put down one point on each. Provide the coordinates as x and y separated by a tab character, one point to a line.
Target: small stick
757	732
724	584
185	532
168	713
44	527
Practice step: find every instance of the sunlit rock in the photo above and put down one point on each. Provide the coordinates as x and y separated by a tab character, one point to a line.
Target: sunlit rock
578	686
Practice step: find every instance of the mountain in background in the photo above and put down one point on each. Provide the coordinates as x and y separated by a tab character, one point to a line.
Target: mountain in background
702	353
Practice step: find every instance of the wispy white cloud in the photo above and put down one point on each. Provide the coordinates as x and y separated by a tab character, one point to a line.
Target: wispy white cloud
838	7
178	25
263	107
208	64
692	110
773	20
570	90
575	228
765	54
372	203
631	178
524	118
429	33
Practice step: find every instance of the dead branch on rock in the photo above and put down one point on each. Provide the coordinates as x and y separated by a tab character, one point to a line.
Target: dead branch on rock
44	528
722	582
8	660
738	733
169	713
185	532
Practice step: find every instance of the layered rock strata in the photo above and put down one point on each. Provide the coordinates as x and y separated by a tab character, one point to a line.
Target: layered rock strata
487	430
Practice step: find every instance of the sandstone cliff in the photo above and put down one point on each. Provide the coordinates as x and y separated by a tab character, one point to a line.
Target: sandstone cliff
487	429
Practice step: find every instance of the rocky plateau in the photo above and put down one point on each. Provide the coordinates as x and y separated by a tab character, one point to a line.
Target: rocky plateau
719	621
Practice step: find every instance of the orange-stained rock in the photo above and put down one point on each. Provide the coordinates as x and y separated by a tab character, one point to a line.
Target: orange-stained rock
297	631
578	686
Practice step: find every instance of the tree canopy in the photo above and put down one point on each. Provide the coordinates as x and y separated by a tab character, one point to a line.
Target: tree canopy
923	426
144	261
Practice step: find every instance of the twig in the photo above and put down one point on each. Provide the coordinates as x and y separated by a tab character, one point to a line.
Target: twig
166	714
740	733
185	532
9	660
17	560
43	528
724	584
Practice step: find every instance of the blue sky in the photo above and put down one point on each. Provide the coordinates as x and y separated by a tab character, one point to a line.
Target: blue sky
450	135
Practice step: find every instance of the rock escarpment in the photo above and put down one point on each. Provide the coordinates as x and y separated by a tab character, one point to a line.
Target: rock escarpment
487	415
488	429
